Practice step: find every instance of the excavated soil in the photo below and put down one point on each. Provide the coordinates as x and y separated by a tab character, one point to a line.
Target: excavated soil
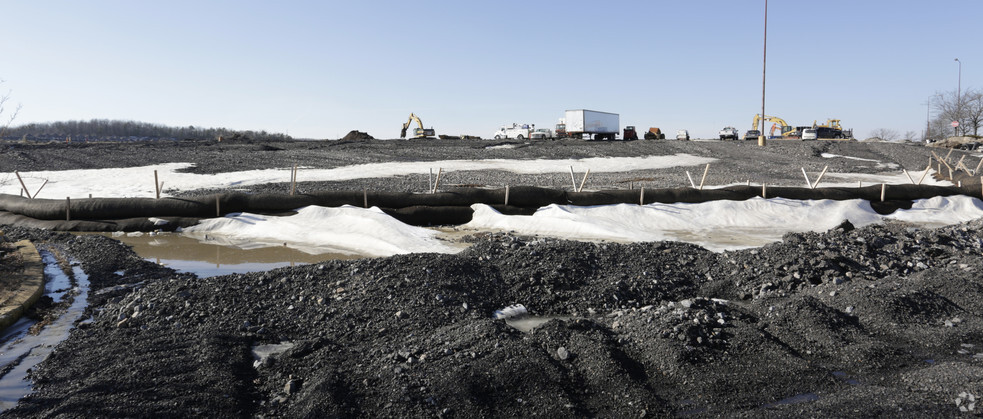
883	320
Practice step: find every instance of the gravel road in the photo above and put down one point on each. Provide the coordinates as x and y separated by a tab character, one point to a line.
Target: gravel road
883	320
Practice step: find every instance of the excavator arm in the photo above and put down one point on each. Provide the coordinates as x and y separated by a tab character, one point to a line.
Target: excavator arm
413	117
779	121
420	132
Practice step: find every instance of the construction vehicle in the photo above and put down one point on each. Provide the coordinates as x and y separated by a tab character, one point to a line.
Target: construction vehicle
629	133
786	130
832	130
597	125
516	131
419	132
655	134
459	137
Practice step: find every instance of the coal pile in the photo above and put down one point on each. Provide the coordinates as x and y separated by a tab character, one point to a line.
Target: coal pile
877	321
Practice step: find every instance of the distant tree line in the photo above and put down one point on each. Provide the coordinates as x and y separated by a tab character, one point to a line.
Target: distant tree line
105	129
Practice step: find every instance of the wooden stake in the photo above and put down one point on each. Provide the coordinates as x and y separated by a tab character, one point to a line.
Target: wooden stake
436	181
763	191
68	208
293	180
808	182
691	183
365	198
820	177
909	176
581	188
156	184
573	179
218	207
978	166
883	191
941	162
39	189
927	168
641	197
948	154
506	195
860	184
22	185
960	163
430	180
705	171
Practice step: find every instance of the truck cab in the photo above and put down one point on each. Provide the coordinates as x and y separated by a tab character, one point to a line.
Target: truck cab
682	135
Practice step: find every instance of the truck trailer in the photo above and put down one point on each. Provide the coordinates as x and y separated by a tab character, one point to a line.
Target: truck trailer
597	125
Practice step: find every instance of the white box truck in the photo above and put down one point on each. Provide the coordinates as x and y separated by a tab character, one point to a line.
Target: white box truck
597	125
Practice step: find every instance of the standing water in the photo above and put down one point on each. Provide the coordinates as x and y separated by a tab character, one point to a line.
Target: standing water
20	350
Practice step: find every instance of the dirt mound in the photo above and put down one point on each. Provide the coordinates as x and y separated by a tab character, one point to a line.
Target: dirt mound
357	135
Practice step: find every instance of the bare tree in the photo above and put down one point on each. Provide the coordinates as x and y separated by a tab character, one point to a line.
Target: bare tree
965	108
884	134
9	120
910	137
972	105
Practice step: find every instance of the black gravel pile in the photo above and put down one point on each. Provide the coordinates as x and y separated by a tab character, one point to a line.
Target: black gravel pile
876	321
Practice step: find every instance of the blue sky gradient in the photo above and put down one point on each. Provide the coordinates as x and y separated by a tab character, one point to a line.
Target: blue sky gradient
318	69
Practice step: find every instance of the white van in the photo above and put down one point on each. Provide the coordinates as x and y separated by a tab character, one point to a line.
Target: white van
682	135
810	134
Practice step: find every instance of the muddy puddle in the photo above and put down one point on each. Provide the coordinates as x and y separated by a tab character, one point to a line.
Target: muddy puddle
204	259
21	349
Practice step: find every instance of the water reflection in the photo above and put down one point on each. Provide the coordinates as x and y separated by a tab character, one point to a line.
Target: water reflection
205	258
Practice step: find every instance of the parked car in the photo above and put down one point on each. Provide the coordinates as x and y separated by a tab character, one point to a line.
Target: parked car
752	134
810	134
682	135
542	134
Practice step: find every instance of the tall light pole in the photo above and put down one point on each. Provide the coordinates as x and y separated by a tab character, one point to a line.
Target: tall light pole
928	107
959	98
764	65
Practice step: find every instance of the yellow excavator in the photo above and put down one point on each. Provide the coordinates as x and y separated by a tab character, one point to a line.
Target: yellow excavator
778	122
419	132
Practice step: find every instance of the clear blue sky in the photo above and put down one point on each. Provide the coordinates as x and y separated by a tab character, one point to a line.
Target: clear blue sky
318	69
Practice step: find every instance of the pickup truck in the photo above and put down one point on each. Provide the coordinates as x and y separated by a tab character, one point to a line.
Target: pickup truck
729	133
542	134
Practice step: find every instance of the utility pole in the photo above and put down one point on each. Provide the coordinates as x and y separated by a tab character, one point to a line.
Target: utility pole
764	65
959	98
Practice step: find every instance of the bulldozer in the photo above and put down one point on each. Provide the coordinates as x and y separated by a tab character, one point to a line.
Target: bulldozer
419	132
655	134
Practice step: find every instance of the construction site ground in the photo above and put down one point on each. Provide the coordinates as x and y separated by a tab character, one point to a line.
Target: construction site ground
884	320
